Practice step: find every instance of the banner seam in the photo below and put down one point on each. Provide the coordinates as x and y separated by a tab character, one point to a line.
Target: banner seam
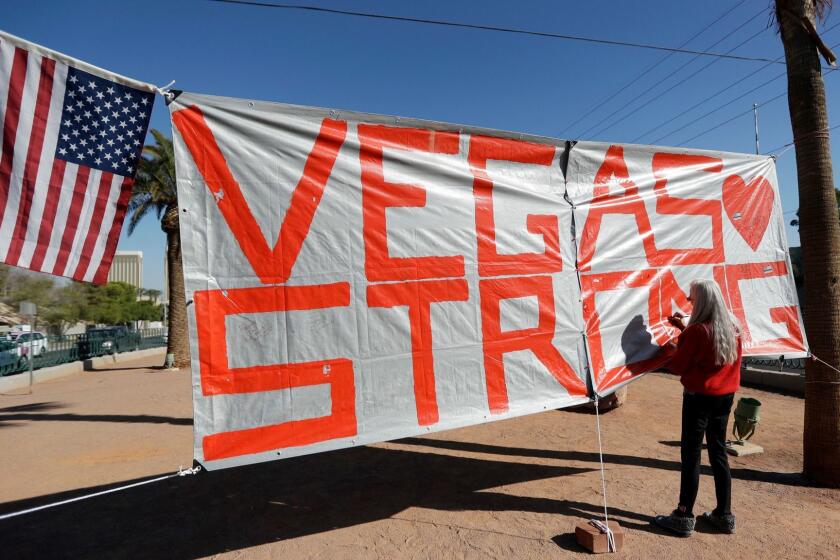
587	362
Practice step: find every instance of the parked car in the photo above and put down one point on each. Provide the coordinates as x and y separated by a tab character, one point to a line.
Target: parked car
38	340
10	361
107	340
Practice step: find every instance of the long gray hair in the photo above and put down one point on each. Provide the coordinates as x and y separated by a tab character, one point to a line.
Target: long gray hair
710	308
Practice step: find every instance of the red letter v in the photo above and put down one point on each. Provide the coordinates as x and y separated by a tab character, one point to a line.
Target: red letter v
273	266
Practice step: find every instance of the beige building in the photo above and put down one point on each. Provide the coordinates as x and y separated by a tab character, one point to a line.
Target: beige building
127	267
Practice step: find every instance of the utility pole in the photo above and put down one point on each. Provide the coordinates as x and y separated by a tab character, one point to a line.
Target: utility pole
755	119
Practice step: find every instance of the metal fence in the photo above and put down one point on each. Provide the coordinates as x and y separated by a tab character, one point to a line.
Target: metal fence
775	363
74	347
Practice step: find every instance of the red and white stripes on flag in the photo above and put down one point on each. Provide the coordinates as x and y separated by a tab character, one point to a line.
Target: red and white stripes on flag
58	215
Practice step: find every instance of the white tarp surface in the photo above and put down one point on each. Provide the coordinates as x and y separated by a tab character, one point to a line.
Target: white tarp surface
652	219
356	278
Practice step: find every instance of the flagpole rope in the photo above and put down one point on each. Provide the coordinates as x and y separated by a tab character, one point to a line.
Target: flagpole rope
181	472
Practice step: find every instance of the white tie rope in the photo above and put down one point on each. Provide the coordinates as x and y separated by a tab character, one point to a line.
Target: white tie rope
181	472
828	366
164	91
603	527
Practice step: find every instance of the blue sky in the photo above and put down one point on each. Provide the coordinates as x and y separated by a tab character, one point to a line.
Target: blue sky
521	83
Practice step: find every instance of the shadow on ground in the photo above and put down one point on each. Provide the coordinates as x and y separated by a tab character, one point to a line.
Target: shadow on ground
789	479
32	407
88	366
126	418
38	412
219	511
232	509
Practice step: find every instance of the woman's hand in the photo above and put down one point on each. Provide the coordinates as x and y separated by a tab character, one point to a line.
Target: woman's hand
668	349
677	320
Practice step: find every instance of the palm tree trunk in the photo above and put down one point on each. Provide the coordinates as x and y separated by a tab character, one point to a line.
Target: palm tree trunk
819	232
178	340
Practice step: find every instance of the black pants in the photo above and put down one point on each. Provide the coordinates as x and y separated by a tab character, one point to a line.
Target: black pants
705	415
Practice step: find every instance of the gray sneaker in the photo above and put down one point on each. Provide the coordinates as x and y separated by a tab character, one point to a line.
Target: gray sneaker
723	523
677	524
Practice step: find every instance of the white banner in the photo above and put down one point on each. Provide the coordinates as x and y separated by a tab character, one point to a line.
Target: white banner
649	221
356	278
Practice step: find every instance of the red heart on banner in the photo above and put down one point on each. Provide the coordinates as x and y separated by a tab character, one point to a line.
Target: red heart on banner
748	206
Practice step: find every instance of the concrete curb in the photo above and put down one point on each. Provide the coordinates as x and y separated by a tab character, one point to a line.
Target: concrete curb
21	380
788	381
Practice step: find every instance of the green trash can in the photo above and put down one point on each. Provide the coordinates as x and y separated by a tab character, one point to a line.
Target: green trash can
746	418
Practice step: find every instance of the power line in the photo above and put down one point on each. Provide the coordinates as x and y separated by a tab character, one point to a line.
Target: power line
696	105
648	70
750	110
666	78
709	98
461	25
727	121
718	108
679	83
609	42
724	105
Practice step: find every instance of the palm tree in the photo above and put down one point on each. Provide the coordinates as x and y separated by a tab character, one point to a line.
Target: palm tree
819	231
152	295
795	222
155	190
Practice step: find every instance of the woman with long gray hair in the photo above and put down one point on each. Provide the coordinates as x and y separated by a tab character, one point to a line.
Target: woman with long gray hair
708	361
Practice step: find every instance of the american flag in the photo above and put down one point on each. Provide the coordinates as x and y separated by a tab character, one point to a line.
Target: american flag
72	136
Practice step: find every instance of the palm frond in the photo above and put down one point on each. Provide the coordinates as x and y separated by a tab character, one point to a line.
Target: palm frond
155	185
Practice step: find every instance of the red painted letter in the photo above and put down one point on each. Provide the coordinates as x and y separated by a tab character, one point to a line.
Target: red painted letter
788	315
665	165
418	297
604	203
273	266
538	339
378	195
629	202
218	378
490	262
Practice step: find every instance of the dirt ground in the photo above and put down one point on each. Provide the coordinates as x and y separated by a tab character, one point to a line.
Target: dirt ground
511	489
